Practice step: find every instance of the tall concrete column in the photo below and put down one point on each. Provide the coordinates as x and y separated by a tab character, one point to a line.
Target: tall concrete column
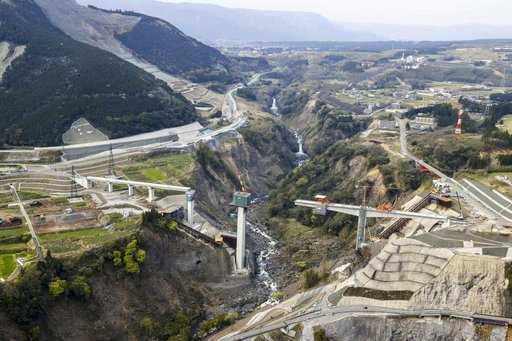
130	190
361	225
151	194
241	201
110	187
190	207
240	238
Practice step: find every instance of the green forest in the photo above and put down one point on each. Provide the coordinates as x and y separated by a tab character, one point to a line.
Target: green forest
58	80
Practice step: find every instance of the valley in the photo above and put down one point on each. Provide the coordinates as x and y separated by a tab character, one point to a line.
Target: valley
169	190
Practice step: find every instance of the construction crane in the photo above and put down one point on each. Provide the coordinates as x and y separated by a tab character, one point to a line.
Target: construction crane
243	189
322	205
37	244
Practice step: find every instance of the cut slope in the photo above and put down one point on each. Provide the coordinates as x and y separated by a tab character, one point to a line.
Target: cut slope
8	54
58	80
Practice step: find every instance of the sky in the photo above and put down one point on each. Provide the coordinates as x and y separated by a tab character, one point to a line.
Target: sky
422	12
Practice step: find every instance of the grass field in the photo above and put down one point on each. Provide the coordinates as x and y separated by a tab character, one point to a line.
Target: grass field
12	248
472	54
162	169
15	232
68	241
7	265
7	197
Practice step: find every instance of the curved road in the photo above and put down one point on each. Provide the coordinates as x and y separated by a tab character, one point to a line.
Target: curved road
339	313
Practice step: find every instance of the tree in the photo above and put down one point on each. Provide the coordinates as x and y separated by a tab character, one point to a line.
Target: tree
311	279
117	258
148	326
141	256
57	287
133	257
320	335
173	226
80	288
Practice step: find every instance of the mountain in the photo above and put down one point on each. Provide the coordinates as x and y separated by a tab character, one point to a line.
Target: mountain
213	23
141	39
435	33
50	80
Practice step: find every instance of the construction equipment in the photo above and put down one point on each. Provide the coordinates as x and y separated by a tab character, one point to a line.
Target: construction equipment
386	207
35	239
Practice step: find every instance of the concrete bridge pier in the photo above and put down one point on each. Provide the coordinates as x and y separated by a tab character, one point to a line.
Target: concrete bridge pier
190	207
130	191
241	201
151	194
361	226
110	187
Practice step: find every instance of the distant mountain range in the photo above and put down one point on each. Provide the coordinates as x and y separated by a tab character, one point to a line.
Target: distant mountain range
212	23
435	33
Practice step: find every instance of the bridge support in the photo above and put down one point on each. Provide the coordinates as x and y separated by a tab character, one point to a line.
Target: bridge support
151	194
190	207
130	191
361	226
241	201
110	187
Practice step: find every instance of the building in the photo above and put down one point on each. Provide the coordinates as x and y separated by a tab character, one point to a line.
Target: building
395	106
423	122
388	125
369	110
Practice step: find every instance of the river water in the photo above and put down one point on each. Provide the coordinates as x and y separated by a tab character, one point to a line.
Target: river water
263	261
301	156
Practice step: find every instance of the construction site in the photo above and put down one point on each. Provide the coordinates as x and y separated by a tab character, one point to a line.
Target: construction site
97	192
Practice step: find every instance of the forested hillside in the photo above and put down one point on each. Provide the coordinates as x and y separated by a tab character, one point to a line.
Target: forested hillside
164	45
58	80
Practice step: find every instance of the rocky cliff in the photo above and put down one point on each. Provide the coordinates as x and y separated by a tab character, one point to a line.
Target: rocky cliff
387	329
179	277
260	155
470	283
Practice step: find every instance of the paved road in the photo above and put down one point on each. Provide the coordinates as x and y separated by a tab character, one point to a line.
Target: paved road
188	135
490	202
347	311
491	199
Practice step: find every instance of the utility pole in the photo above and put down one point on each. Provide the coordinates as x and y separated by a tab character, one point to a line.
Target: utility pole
74	185
111	171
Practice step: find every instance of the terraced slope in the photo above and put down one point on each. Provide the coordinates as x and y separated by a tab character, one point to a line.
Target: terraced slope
403	265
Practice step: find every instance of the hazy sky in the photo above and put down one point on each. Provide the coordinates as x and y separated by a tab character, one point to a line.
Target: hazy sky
430	12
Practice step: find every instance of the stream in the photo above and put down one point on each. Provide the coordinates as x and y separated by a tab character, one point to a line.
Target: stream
263	262
301	156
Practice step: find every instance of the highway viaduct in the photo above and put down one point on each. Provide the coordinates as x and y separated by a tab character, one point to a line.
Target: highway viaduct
88	182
